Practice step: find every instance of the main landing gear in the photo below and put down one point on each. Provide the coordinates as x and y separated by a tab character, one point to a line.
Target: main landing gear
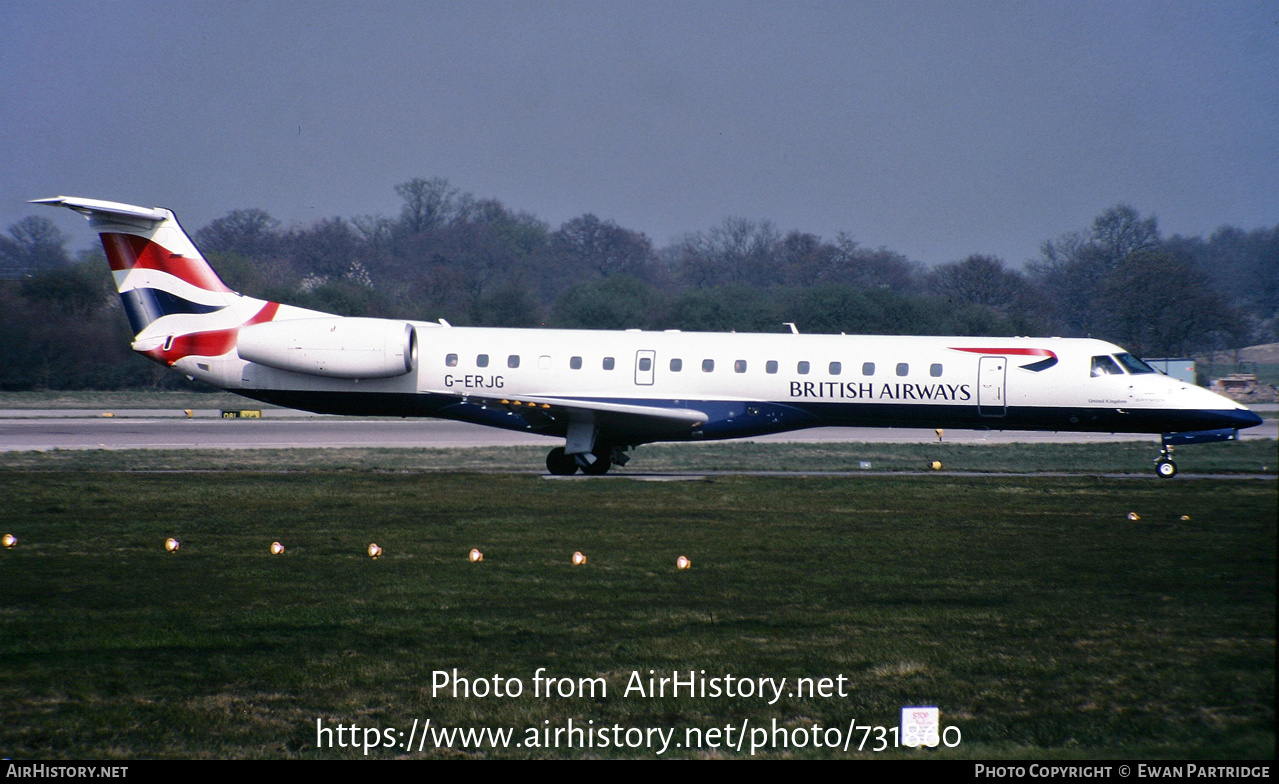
596	463
559	463
1164	465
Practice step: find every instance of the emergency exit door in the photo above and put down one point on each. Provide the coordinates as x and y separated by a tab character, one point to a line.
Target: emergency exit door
991	375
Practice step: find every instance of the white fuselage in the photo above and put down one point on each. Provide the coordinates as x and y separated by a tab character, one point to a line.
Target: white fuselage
606	391
747	384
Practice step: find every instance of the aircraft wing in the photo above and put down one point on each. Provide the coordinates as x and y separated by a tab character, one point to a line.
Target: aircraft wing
526	403
538	410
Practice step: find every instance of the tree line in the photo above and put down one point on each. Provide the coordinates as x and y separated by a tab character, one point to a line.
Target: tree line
478	262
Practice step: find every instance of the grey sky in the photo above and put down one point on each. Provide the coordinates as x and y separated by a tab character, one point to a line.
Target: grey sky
937	129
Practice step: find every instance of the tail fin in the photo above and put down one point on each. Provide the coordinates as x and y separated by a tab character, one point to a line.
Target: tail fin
157	269
177	305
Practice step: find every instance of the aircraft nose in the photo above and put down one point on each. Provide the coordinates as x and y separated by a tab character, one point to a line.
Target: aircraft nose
1242	417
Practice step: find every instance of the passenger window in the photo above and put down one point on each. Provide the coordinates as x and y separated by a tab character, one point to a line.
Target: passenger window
482	360
902	368
608	363
645	364
513	361
450	360
676	364
934	370
708	365
802	368
739	366
544	362
836	368
1105	366
575	363
868	368
770	366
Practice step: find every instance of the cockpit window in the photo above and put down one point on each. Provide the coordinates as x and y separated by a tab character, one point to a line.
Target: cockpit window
1133	365
1105	366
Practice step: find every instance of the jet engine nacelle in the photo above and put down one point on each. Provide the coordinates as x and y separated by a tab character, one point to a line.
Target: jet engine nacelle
333	347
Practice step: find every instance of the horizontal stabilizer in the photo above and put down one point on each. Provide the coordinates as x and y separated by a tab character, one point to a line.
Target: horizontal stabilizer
90	207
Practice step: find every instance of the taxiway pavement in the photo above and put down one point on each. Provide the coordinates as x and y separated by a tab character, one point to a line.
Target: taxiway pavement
43	430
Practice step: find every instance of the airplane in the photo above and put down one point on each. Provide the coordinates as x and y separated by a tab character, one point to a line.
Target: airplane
607	392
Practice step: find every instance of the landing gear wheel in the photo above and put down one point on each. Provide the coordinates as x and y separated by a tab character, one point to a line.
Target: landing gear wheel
599	467
1165	468
559	463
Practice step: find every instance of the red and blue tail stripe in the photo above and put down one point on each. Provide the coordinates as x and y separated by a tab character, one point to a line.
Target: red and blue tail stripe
127	252
149	297
177	305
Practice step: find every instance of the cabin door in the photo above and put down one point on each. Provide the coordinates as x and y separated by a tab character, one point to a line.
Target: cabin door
991	373
644	361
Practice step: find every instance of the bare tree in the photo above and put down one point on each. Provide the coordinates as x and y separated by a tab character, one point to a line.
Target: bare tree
252	233
428	204
1074	268
981	280
881	268
35	243
806	260
737	251
1156	303
1121	230
329	249
589	247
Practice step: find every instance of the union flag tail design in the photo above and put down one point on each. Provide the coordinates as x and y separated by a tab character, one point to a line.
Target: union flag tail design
177	305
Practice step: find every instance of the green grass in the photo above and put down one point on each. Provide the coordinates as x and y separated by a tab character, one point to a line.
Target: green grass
1038	618
126	399
1253	456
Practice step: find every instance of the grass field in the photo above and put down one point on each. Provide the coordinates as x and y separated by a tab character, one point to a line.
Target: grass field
1253	456
1039	619
124	399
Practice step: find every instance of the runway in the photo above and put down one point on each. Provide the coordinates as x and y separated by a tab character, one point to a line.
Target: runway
44	430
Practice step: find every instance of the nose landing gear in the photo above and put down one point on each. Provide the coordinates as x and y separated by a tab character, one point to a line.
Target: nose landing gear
1164	466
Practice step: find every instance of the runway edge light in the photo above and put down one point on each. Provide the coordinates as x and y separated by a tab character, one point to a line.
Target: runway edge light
1133	516
475	555
277	548
172	544
375	552
10	540
682	563
578	558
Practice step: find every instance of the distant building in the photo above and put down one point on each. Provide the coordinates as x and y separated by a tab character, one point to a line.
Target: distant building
1180	369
